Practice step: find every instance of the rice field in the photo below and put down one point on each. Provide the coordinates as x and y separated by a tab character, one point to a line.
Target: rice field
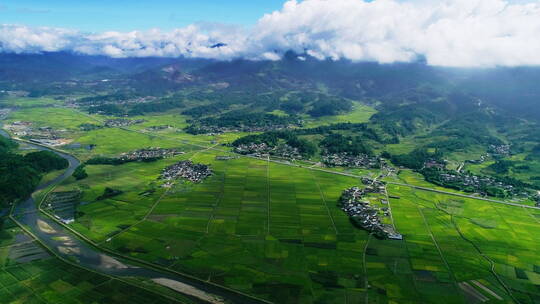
276	232
29	274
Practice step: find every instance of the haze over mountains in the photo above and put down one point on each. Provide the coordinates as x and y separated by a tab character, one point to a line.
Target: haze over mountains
512	89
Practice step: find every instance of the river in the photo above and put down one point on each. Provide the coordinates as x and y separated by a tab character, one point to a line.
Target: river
66	244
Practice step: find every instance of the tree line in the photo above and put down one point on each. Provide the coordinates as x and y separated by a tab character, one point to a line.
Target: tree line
21	174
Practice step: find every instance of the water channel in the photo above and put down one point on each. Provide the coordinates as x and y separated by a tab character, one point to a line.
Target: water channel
66	244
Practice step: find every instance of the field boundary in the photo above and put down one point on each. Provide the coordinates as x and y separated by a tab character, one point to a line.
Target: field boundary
64	260
116	254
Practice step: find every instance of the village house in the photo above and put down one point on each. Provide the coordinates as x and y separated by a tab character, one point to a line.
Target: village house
186	170
365	215
351	161
112	123
149	153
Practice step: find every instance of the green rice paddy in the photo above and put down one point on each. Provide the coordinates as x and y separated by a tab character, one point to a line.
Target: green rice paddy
29	274
276	232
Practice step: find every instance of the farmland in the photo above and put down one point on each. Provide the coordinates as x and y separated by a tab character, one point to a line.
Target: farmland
276	231
30	274
258	227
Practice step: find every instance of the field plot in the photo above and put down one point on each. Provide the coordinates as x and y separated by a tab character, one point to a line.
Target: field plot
104	217
29	274
360	113
114	141
276	232
55	117
467	237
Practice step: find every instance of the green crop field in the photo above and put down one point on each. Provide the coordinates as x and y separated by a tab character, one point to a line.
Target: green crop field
29	274
276	232
58	118
27	102
360	113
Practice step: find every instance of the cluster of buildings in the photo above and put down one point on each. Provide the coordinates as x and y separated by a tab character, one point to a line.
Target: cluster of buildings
253	148
149	153
364	215
215	129
481	160
373	185
112	123
159	128
262	150
4	113
185	169
502	150
15	93
19	128
435	164
116	101
351	161
225	157
42	135
478	183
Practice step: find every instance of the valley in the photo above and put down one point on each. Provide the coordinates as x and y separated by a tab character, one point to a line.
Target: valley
239	193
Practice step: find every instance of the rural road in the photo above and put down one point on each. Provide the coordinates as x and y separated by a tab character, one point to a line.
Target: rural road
320	169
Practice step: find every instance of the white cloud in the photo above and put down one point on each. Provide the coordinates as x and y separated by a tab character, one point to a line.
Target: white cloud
447	33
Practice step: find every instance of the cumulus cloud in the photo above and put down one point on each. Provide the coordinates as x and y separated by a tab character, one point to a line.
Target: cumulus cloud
446	33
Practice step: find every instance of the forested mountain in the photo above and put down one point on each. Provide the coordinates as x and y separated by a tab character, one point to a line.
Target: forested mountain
513	89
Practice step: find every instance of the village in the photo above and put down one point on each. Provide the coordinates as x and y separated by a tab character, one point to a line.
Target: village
116	100
149	154
493	151
41	135
499	150
214	130
186	169
263	150
15	94
483	185
116	123
351	161
4	113
363	214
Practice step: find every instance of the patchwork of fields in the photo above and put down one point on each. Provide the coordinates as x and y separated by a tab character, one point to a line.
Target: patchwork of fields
276	232
29	274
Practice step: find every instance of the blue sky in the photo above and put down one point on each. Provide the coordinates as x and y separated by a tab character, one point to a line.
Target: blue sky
457	33
127	15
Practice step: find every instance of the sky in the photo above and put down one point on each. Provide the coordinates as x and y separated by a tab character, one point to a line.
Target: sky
456	33
129	15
